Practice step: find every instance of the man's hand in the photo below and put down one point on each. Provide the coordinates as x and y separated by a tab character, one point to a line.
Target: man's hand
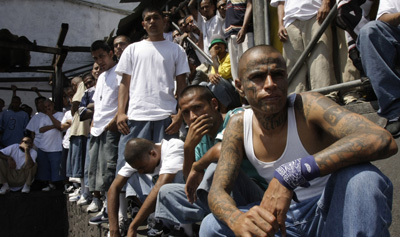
11	163
214	78
14	88
200	127
112	125
175	124
193	181
256	222
24	146
122	125
323	12
282	34
241	35
277	200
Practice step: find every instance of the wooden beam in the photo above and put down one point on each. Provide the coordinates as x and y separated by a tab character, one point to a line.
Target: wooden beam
30	47
24	79
23	89
41	69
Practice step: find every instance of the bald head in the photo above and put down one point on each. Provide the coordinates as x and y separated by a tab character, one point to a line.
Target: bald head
257	55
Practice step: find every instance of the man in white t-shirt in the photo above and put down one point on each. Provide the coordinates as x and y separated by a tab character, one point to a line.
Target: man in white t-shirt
148	69
50	149
104	138
156	164
208	22
298	22
17	166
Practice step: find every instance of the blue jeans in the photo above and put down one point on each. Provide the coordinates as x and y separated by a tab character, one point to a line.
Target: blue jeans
76	156
172	203
357	201
379	46
49	166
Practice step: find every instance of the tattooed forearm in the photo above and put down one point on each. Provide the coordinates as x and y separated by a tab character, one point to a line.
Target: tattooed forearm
219	199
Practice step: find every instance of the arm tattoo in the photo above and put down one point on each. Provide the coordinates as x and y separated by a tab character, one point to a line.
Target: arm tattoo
219	200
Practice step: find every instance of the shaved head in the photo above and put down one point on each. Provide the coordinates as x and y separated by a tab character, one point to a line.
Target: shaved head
261	54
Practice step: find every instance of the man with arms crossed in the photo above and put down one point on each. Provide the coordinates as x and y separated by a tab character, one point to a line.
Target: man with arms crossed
334	181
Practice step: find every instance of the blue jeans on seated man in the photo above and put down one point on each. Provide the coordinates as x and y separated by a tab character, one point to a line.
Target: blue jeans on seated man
379	46
357	201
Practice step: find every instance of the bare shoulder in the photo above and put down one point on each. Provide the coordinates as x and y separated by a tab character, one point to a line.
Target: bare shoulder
331	117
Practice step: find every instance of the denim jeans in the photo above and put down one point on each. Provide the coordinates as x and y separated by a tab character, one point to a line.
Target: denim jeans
49	166
76	156
357	201
379	46
172	203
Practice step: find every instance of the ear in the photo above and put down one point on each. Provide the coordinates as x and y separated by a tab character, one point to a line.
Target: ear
111	54
214	104
239	87
153	153
143	24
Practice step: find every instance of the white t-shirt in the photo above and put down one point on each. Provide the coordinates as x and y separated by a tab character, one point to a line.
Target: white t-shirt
388	6
34	126
105	100
153	65
51	140
67	116
214	26
168	36
301	10
18	155
171	160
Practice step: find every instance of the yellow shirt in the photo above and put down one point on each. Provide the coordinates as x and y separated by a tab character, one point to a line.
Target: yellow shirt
224	68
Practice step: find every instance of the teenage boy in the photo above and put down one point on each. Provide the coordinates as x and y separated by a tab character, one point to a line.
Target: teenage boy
157	164
104	134
148	69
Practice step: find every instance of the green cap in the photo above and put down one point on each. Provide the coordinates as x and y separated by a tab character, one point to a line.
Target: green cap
217	40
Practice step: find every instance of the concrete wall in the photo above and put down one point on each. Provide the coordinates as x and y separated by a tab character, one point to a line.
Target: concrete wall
40	21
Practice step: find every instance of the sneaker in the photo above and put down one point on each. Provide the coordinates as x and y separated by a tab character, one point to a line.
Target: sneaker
124	226
75	193
74	198
102	217
69	189
4	189
394	128
84	201
49	188
26	189
154	226
95	206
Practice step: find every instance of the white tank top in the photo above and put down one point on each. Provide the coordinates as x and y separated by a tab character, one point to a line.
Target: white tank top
294	149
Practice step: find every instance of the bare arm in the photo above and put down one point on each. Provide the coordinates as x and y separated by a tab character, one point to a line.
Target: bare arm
391	18
358	139
200	127
246	21
197	172
323	11
123	97
113	204
149	204
9	159
177	118
74	107
282	33
56	123
28	158
193	8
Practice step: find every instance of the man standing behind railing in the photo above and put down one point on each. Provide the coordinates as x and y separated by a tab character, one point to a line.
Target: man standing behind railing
299	21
